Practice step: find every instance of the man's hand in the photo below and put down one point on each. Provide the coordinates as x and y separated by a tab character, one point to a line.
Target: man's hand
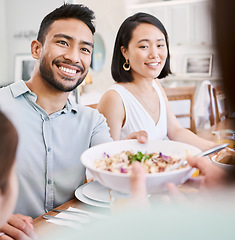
141	136
18	227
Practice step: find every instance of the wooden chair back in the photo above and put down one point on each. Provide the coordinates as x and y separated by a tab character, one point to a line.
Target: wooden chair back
212	104
219	101
181	94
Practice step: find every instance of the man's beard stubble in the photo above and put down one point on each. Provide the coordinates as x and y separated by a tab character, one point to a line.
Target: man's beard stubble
47	74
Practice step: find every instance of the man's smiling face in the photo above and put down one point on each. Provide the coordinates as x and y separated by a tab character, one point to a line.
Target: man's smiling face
66	54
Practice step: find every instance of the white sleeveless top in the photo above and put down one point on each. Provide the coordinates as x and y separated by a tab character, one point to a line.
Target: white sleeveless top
137	118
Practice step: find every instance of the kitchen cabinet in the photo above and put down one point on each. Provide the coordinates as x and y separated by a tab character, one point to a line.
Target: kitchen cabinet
202	23
162	14
179	26
188	22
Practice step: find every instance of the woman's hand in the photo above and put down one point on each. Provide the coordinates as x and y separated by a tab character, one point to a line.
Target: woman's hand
141	136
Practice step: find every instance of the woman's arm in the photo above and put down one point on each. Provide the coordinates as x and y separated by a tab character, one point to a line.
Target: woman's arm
177	133
111	106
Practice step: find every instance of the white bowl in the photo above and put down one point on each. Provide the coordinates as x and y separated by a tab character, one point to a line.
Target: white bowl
155	182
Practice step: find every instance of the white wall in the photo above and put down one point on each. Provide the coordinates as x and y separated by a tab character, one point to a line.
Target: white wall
19	23
3	44
22	24
109	16
22	20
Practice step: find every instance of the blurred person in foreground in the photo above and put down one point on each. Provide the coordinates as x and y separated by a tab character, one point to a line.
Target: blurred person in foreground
8	181
224	19
53	130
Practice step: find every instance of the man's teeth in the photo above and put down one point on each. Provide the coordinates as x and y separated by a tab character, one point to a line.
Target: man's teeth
68	70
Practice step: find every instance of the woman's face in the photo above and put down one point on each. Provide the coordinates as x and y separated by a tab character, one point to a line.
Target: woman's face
8	199
147	51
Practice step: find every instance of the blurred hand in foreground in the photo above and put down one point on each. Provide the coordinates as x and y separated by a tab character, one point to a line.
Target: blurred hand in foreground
18	227
211	176
138	184
138	198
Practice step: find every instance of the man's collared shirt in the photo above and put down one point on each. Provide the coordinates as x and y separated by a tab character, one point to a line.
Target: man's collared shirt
48	158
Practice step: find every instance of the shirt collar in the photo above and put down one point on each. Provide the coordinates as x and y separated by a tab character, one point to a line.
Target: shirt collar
70	106
20	88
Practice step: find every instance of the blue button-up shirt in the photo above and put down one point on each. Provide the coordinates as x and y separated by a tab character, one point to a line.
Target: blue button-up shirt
48	158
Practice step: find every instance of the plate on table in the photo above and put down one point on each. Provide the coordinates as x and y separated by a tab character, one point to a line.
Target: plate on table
97	192
80	196
225	159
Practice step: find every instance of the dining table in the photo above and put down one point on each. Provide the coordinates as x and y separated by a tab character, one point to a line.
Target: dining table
210	133
43	228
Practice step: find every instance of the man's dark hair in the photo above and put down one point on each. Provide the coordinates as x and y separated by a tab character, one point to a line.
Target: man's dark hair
123	38
66	11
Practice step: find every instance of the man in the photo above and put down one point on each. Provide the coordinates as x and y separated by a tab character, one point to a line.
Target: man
53	131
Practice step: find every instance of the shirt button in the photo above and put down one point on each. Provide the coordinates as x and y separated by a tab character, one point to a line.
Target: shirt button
49	149
49	181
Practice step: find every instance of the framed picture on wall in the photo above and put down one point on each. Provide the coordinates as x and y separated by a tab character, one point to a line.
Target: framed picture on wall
24	64
198	65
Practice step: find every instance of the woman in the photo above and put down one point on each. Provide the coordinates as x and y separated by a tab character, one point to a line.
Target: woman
137	101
